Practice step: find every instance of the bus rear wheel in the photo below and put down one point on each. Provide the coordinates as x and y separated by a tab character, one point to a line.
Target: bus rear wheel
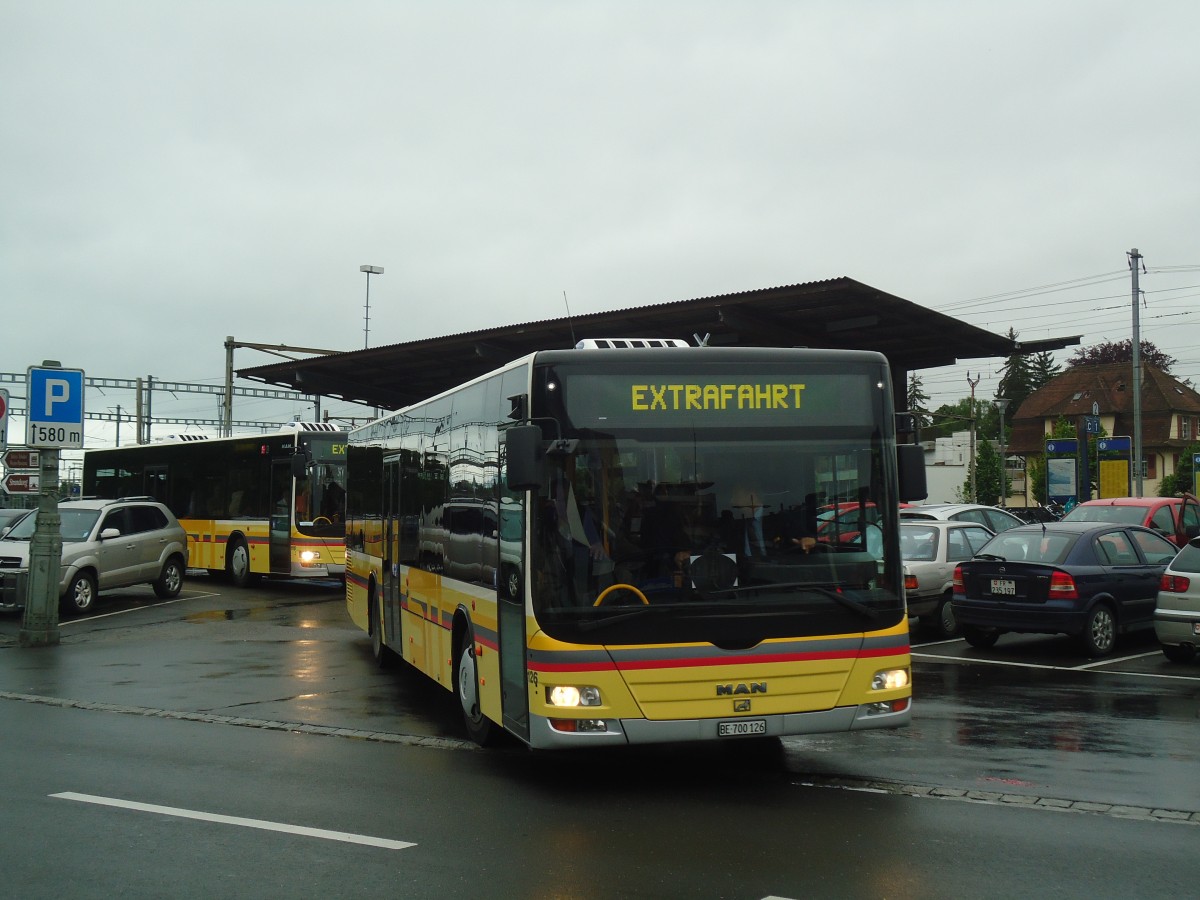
479	727
237	562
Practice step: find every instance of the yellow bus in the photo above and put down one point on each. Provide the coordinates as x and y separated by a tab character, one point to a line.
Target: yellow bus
270	504
619	544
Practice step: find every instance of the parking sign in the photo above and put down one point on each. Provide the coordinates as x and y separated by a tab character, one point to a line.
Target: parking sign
55	418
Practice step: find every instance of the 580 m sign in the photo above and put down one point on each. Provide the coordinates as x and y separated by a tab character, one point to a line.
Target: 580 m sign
54	436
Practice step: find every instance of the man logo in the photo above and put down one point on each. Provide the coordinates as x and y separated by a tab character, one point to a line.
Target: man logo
730	690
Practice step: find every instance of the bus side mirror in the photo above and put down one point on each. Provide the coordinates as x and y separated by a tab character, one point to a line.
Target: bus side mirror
910	466
299	465
525	457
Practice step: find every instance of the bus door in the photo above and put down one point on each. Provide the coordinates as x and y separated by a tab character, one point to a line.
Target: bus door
281	517
391	548
510	590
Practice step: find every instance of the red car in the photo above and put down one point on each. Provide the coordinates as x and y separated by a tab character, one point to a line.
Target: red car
1175	518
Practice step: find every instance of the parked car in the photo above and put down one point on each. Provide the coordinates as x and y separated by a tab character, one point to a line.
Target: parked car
931	550
1177	612
1175	518
9	516
1093	580
105	544
991	517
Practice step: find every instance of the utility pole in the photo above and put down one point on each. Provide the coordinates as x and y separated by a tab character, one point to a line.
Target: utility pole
1134	260
974	493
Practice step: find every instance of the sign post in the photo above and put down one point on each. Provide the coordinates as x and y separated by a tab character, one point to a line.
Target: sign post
54	421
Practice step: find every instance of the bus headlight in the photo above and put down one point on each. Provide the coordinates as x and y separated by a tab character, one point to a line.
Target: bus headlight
308	557
566	695
890	680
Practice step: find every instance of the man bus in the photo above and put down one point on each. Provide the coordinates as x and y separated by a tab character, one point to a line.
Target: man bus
614	545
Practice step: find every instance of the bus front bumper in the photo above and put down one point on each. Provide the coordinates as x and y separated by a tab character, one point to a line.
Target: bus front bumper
545	734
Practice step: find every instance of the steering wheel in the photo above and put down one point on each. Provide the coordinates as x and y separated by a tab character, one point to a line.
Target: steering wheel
627	587
319	519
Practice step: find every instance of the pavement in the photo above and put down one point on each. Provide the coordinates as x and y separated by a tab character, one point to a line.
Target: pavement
285	656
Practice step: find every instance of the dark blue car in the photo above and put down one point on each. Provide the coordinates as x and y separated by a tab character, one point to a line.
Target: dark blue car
1092	580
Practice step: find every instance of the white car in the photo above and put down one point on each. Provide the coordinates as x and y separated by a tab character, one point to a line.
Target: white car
992	517
105	544
930	550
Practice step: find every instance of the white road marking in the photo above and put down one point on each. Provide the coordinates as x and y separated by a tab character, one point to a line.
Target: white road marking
237	820
1082	667
121	612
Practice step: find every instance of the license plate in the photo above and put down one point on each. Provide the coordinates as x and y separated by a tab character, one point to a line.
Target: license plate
742	728
1004	586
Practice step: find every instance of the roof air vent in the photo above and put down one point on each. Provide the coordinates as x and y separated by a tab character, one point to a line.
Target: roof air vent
628	343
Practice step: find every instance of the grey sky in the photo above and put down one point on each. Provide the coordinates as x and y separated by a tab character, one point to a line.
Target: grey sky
175	172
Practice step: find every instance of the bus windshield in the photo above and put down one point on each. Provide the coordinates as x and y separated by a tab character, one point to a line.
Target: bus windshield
721	540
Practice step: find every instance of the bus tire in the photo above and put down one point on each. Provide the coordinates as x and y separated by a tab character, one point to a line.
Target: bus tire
385	657
479	728
237	562
170	582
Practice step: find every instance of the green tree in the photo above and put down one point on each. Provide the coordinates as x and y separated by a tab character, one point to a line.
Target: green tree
988	473
1180	481
1042	369
951	417
917	400
1017	381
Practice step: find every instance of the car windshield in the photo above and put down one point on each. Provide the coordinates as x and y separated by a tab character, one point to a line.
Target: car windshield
75	525
1030	546
1118	515
918	543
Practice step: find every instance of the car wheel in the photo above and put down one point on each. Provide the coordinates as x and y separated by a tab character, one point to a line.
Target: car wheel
237	562
80	596
479	727
1099	630
943	620
1178	653
981	638
170	582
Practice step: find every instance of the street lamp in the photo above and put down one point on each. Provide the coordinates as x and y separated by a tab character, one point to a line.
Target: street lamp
1002	405
369	270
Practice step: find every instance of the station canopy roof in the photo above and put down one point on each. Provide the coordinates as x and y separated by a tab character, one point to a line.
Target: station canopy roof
839	313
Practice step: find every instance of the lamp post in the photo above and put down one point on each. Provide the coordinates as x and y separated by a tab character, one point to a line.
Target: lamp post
1001	406
369	270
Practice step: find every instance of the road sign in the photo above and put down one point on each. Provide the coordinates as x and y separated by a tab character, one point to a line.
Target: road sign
22	483
3	419
22	459
55	419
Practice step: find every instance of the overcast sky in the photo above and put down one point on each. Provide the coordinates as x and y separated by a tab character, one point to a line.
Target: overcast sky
175	172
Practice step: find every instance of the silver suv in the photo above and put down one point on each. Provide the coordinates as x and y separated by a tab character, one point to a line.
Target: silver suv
105	544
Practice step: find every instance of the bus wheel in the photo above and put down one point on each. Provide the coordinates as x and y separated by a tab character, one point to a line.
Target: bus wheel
385	657
237	562
479	728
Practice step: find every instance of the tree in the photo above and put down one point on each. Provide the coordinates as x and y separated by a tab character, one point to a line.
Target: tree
917	398
988	472
1042	369
951	417
1120	351
1182	479
1017	381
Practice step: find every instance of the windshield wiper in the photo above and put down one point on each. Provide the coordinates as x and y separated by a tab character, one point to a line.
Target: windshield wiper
638	612
993	556
825	590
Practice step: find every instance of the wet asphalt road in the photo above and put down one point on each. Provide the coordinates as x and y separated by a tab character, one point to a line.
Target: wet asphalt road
1030	722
